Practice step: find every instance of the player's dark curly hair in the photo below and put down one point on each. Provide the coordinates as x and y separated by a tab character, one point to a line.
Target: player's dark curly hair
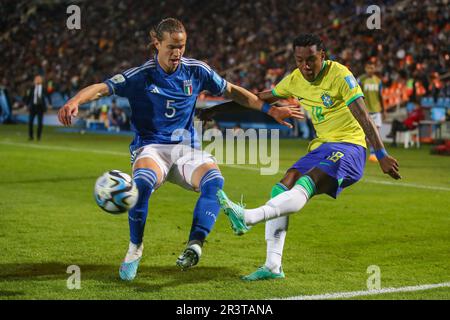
307	40
170	25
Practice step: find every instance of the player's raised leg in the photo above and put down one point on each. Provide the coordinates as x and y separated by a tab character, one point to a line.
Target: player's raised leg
207	179
286	203
329	169
146	174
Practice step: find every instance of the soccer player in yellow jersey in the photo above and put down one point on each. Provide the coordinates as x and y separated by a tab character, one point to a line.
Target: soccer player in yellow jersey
371	86
335	159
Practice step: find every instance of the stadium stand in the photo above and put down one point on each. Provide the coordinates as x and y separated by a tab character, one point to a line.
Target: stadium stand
247	42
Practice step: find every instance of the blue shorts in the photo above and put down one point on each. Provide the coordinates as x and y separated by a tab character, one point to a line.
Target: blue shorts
343	161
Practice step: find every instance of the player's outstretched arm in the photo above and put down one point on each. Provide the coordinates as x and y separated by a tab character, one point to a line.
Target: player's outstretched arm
209	113
388	164
249	100
267	96
90	93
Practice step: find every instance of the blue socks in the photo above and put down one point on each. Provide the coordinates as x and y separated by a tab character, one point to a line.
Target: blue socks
207	208
145	180
205	212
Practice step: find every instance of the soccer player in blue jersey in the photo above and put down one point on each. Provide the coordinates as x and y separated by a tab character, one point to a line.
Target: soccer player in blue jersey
162	94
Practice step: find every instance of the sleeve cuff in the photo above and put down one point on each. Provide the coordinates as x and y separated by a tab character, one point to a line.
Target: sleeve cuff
224	87
275	94
356	96
110	87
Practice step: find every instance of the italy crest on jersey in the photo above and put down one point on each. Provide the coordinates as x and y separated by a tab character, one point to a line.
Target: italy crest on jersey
326	99
187	84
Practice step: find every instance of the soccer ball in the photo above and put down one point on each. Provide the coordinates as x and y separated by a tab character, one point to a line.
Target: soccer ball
115	192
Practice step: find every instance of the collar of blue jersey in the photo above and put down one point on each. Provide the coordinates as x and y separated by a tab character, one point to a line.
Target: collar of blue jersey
324	64
164	73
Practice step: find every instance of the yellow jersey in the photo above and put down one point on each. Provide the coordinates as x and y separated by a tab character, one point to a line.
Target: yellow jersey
371	87
327	99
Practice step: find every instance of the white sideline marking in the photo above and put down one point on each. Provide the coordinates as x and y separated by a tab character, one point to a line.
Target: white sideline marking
342	295
116	153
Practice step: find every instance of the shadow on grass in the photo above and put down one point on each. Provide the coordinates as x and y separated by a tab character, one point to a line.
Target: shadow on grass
149	278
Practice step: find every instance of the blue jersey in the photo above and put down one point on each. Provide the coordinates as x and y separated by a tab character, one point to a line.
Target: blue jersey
161	103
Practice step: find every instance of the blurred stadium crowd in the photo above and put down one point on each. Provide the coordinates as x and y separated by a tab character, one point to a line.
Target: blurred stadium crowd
248	42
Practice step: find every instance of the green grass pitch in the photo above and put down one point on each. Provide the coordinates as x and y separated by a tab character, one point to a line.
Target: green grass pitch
49	221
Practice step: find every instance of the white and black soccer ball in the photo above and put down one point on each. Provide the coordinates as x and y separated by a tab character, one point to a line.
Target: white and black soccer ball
115	192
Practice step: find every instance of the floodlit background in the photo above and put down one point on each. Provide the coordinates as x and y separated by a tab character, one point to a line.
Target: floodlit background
49	219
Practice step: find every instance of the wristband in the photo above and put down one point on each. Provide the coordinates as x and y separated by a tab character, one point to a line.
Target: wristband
266	107
380	154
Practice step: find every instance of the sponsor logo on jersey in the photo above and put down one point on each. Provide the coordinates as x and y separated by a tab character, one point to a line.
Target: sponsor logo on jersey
154	89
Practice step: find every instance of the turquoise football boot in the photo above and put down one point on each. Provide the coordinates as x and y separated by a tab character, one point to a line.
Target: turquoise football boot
263	273
234	212
129	269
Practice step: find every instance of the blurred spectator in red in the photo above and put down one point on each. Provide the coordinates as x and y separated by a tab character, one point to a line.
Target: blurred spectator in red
410	123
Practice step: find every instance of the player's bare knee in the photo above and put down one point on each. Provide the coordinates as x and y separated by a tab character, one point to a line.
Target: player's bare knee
323	182
290	178
149	163
200	172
